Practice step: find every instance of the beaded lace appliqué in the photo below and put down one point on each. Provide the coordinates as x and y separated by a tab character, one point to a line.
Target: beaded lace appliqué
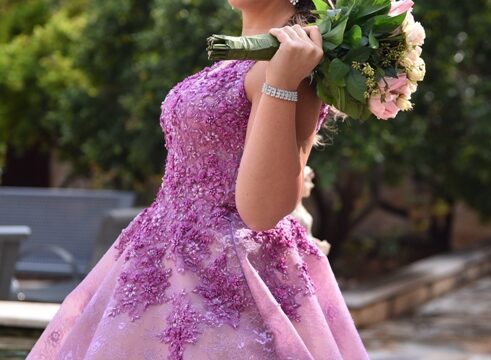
204	121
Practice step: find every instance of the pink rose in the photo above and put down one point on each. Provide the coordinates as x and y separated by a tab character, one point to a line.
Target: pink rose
382	110
395	87
401	6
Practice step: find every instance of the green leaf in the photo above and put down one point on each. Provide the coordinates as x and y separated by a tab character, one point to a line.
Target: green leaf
356	85
324	67
325	25
353	36
353	108
366	113
360	54
336	93
364	41
391	72
323	92
343	3
372	7
334	14
386	24
379	73
337	72
334	38
320	5
341	98
372	40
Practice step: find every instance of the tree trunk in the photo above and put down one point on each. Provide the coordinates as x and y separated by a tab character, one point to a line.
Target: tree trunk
440	230
336	224
349	189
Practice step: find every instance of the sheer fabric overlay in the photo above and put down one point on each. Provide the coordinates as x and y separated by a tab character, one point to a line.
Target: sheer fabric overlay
187	279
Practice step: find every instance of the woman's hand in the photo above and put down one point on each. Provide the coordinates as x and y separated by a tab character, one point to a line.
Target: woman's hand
299	53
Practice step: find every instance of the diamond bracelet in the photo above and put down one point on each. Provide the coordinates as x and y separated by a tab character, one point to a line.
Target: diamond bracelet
280	93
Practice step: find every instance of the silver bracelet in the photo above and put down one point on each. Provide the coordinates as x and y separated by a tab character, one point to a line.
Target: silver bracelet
280	93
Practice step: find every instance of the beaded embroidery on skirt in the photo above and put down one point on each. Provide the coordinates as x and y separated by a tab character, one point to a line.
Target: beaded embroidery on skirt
187	279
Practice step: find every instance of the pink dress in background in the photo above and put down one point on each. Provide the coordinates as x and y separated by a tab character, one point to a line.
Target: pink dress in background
187	279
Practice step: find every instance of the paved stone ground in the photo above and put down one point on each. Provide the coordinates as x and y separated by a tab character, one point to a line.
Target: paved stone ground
456	326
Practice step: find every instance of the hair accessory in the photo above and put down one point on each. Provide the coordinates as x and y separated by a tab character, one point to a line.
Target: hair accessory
294	2
279	93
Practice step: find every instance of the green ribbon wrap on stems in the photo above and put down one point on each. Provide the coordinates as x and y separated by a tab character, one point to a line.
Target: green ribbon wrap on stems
362	43
254	47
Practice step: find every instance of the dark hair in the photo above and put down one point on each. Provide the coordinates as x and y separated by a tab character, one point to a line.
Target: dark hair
302	17
302	14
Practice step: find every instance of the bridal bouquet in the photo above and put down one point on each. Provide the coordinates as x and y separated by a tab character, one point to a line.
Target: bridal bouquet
371	62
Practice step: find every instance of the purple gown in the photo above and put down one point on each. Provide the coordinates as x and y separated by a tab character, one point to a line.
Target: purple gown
187	279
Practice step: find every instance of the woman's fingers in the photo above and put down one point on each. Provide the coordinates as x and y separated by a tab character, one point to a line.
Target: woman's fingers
301	33
307	39
292	33
297	32
280	34
314	34
301	50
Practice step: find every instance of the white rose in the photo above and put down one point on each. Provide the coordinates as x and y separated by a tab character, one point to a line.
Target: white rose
409	57
413	87
408	22
415	34
418	71
406	62
403	103
413	54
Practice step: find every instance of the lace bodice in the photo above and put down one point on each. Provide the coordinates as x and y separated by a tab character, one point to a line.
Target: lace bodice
204	120
187	279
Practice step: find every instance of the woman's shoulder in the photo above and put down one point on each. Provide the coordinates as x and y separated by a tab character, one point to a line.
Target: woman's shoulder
254	79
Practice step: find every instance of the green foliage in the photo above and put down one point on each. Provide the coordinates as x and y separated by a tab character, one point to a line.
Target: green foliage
352	32
453	154
320	5
88	78
134	54
443	144
36	66
21	17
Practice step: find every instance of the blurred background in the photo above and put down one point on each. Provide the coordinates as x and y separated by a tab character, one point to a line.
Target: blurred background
405	204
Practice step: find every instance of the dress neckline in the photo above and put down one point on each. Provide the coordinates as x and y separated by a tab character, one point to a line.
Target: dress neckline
216	68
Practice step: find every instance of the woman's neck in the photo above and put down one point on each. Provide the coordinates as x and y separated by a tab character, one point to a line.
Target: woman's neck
259	20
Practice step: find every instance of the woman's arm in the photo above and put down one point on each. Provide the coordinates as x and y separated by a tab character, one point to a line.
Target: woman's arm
280	133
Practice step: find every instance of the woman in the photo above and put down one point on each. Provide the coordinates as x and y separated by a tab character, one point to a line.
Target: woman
217	267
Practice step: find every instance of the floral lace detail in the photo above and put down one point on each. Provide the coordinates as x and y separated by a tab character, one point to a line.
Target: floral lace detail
184	279
226	293
54	337
142	285
183	326
310	287
143	282
276	245
204	135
